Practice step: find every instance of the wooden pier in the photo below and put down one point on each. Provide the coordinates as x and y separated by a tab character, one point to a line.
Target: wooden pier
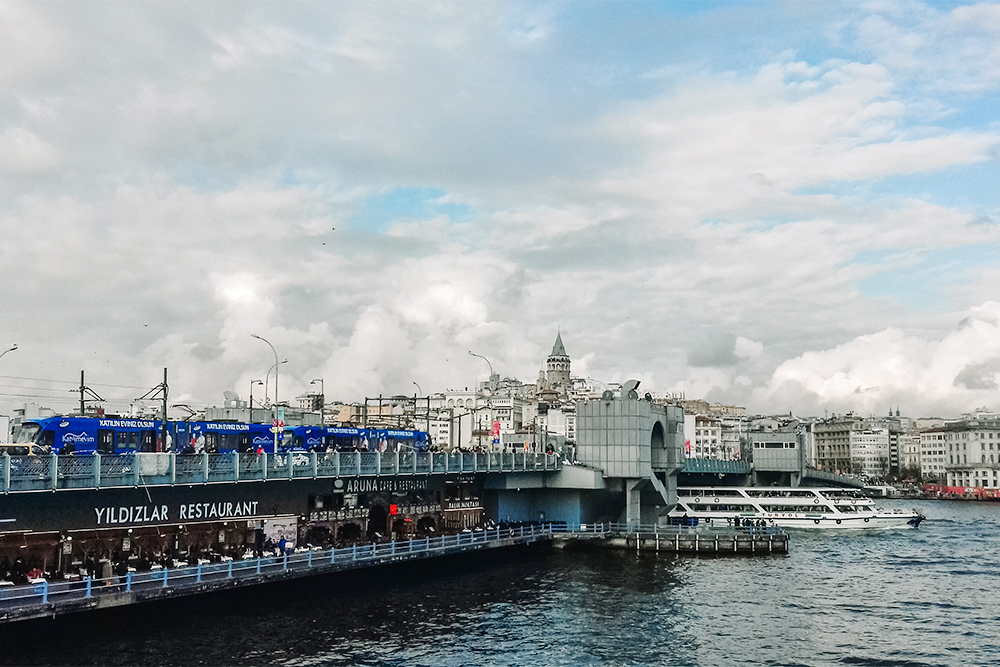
679	539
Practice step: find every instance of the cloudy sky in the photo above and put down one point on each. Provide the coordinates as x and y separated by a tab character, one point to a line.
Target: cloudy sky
787	206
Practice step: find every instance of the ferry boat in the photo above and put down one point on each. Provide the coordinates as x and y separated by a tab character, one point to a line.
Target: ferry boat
788	507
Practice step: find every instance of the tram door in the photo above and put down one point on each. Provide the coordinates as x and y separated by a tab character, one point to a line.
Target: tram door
105	441
148	443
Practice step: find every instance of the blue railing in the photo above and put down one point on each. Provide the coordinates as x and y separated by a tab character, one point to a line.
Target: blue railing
42	473
716	466
170	581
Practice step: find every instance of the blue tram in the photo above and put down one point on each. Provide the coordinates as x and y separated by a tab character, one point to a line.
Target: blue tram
353	439
115	435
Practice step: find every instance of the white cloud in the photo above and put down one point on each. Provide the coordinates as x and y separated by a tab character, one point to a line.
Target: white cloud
959	372
747	348
721	145
687	214
22	151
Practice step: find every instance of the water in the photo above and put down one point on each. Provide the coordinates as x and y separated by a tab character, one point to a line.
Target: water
890	599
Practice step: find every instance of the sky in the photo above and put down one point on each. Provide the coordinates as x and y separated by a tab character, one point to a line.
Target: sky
790	206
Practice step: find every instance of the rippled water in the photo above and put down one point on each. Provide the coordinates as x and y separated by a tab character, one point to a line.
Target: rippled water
891	598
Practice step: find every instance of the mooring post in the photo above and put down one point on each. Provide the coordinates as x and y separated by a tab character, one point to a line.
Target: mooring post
45	592
333	554
229	570
164	577
90	582
128	582
285	563
258	564
198	576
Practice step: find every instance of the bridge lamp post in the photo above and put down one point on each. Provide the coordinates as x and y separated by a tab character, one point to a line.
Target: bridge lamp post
252	383
10	349
322	401
487	363
274	426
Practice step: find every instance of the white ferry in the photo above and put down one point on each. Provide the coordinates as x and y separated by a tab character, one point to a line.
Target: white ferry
788	507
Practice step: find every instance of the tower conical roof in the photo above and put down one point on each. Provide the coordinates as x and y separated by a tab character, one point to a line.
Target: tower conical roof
558	350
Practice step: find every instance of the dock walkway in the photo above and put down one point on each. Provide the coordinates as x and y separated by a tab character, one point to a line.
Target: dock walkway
47	599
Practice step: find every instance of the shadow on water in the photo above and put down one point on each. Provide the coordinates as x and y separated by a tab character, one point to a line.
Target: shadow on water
276	622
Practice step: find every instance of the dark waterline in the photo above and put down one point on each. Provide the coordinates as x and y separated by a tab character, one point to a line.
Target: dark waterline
895	598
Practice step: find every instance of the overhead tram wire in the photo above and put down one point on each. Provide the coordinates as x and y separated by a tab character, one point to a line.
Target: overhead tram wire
72	382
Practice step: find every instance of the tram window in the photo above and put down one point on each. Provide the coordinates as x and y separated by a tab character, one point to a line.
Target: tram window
25	433
211	442
128	440
48	439
105	441
148	441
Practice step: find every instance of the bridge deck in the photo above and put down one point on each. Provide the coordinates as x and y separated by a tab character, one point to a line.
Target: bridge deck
46	473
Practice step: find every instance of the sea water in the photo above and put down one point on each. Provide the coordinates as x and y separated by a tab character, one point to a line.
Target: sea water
904	597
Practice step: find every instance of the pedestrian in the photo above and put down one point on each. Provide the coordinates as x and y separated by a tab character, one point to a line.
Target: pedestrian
282	544
258	542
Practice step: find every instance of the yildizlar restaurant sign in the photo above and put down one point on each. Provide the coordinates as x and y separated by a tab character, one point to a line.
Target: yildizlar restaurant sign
140	514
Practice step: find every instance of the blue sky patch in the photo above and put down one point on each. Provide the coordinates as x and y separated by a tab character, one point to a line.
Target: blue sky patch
924	286
380	212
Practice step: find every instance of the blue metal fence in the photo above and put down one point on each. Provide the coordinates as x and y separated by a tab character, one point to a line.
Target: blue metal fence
40	473
300	563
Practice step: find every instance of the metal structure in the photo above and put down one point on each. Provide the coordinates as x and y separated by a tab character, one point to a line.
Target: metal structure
20	474
276	364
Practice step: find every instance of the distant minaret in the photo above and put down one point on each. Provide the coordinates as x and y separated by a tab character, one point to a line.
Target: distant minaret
558	365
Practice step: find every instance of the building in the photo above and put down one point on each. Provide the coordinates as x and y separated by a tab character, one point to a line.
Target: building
932	454
870	452
703	437
973	452
832	438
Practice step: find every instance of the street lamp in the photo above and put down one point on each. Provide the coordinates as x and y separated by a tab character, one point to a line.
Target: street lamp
419	390
267	380
10	349
274	425
252	383
322	401
486	360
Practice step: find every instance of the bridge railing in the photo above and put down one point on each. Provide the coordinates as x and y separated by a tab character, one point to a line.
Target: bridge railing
302	561
41	473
